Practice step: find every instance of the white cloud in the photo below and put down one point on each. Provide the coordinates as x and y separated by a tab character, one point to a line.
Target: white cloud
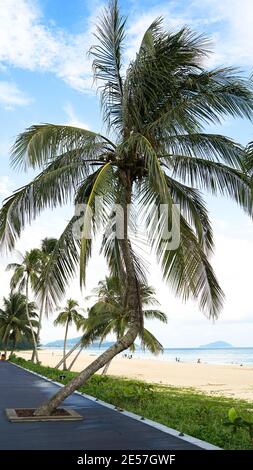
72	118
231	21
11	96
227	22
28	42
5	186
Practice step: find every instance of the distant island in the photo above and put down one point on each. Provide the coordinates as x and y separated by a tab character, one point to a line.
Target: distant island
216	345
72	341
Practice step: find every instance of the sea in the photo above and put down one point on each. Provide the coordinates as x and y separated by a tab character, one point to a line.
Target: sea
231	356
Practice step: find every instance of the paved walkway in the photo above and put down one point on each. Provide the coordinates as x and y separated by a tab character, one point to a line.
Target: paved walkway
102	428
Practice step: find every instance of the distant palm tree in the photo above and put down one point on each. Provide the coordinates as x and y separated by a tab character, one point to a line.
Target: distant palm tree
158	152
109	315
66	318
26	274
47	247
14	325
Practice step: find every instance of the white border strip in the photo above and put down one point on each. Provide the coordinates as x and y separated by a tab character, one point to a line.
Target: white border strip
161	427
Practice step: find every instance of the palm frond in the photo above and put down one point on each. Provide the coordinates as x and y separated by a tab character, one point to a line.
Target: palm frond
248	158
111	249
107	63
189	272
101	186
155	315
216	178
193	209
60	268
151	81
150	342
39	145
52	187
212	147
168	91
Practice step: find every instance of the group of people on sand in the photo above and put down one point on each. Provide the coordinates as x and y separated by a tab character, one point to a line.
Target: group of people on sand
128	356
177	359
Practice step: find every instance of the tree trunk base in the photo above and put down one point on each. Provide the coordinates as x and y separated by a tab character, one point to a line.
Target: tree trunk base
17	415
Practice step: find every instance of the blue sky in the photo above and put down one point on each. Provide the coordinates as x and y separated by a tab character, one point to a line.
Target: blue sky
45	77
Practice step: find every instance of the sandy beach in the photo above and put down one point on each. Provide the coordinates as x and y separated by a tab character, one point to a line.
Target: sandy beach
227	380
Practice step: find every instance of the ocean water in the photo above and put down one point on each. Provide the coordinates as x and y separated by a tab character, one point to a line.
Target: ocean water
238	356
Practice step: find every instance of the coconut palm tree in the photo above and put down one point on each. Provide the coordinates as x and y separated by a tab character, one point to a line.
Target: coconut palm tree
46	249
157	152
14	325
109	316
66	318
26	274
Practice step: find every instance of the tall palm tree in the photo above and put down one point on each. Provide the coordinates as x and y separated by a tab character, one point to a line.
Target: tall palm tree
26	274
14	325
67	317
46	248
109	316
157	151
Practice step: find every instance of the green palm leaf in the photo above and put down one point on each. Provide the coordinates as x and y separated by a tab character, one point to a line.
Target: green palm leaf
41	144
107	62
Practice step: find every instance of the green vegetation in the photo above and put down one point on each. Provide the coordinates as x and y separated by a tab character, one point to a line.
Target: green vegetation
14	324
110	315
188	411
237	421
29	274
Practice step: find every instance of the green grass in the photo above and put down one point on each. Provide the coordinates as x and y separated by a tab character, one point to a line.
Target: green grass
186	410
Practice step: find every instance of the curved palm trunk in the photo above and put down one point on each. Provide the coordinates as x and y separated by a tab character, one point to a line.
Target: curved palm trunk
6	344
29	321
38	331
48	407
64	346
75	358
13	348
68	354
134	305
105	369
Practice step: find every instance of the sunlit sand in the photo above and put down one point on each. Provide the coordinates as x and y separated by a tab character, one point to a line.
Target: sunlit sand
232	381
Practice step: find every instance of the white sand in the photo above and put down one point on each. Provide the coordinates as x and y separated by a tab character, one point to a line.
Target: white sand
227	380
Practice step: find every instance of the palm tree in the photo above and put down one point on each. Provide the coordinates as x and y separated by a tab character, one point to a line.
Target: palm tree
14	325
46	249
27	274
157	152
109	315
67	317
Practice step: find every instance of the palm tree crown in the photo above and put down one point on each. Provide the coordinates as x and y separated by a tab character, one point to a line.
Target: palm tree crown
109	314
67	317
70	314
27	273
14	325
29	268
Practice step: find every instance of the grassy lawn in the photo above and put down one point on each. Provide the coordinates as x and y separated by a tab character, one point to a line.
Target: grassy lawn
186	410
